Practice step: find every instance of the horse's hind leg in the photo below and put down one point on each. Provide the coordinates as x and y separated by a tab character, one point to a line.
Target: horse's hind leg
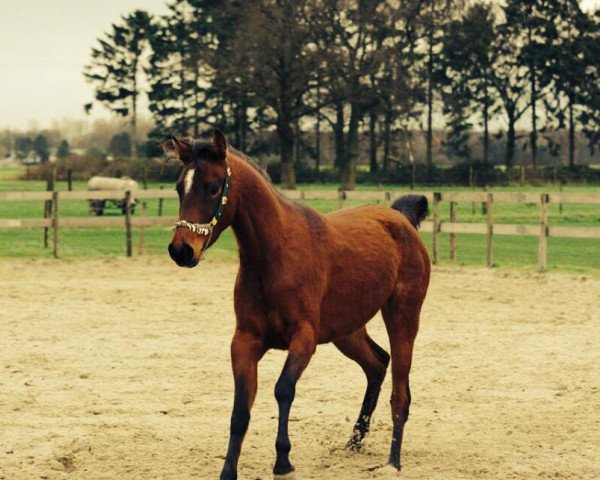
401	316
374	361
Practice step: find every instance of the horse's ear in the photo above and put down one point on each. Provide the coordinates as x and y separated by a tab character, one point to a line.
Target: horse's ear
179	148
219	145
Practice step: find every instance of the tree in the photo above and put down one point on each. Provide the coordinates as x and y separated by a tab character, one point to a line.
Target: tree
591	97
509	82
41	148
434	17
468	74
23	146
63	150
179	68
272	57
355	41
116	66
531	27
120	145
574	71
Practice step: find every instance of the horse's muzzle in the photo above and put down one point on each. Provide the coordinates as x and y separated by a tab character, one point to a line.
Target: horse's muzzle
183	255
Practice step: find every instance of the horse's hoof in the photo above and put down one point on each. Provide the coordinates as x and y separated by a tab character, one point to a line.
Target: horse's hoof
355	442
354	445
285	476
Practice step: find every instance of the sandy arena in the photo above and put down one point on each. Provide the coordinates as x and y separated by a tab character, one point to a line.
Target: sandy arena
119	369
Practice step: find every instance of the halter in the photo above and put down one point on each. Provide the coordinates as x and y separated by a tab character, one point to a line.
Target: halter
207	228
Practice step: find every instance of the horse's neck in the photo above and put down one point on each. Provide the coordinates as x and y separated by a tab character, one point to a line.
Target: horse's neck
261	215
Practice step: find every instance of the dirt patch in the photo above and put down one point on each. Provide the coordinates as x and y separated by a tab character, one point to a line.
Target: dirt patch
119	368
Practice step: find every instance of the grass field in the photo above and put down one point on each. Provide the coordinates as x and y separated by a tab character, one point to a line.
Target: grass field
582	255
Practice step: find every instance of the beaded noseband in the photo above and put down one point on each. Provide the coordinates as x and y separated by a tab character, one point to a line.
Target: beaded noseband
207	228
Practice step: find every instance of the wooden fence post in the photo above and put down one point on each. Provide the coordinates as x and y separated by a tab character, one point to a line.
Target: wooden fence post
437	196
489	201
50	181
128	221
472	187
453	235
560	189
160	204
142	228
543	239
55	225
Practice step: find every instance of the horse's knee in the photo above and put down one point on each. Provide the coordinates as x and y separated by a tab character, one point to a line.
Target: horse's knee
240	419
400	403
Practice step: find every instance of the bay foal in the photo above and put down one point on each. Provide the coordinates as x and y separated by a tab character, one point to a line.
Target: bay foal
304	279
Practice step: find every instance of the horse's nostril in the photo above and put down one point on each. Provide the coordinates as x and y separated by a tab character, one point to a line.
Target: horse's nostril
184	256
187	255
172	252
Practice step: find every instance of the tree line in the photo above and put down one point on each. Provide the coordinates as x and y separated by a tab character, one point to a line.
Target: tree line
376	68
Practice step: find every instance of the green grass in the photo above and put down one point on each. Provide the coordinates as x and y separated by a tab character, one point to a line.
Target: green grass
99	242
567	254
579	255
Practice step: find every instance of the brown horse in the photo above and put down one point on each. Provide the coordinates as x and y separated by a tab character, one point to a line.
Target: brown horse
304	279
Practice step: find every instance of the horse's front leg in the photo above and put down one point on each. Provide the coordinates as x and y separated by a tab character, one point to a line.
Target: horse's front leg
301	349
246	351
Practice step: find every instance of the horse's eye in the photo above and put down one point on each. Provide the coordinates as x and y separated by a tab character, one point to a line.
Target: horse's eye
213	189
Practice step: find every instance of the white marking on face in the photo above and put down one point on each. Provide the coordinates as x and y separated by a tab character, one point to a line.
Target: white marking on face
189	180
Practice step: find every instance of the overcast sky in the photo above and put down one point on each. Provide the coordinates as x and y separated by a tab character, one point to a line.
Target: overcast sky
44	45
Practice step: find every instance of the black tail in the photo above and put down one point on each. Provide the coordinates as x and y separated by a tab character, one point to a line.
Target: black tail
413	207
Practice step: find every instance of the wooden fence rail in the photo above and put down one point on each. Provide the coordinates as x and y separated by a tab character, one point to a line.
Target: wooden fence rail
436	226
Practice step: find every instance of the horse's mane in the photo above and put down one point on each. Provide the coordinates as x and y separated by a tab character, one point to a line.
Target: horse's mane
252	163
200	146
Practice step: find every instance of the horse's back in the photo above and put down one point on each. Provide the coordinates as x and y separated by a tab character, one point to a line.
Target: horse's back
371	220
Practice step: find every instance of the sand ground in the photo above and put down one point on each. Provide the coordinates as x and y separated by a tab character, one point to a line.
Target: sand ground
119	369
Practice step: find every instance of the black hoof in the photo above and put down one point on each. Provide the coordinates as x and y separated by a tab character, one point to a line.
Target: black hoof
354	445
282	468
280	474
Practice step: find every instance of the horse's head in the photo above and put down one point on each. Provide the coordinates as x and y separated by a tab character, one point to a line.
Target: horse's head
203	188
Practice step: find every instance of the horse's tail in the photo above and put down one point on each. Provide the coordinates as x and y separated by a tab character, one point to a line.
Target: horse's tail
413	207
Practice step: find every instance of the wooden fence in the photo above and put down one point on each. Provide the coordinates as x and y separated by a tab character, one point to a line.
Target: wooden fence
436	226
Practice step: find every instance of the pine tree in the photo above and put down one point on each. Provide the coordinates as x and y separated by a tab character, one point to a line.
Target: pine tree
41	148
179	71
115	67
63	150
